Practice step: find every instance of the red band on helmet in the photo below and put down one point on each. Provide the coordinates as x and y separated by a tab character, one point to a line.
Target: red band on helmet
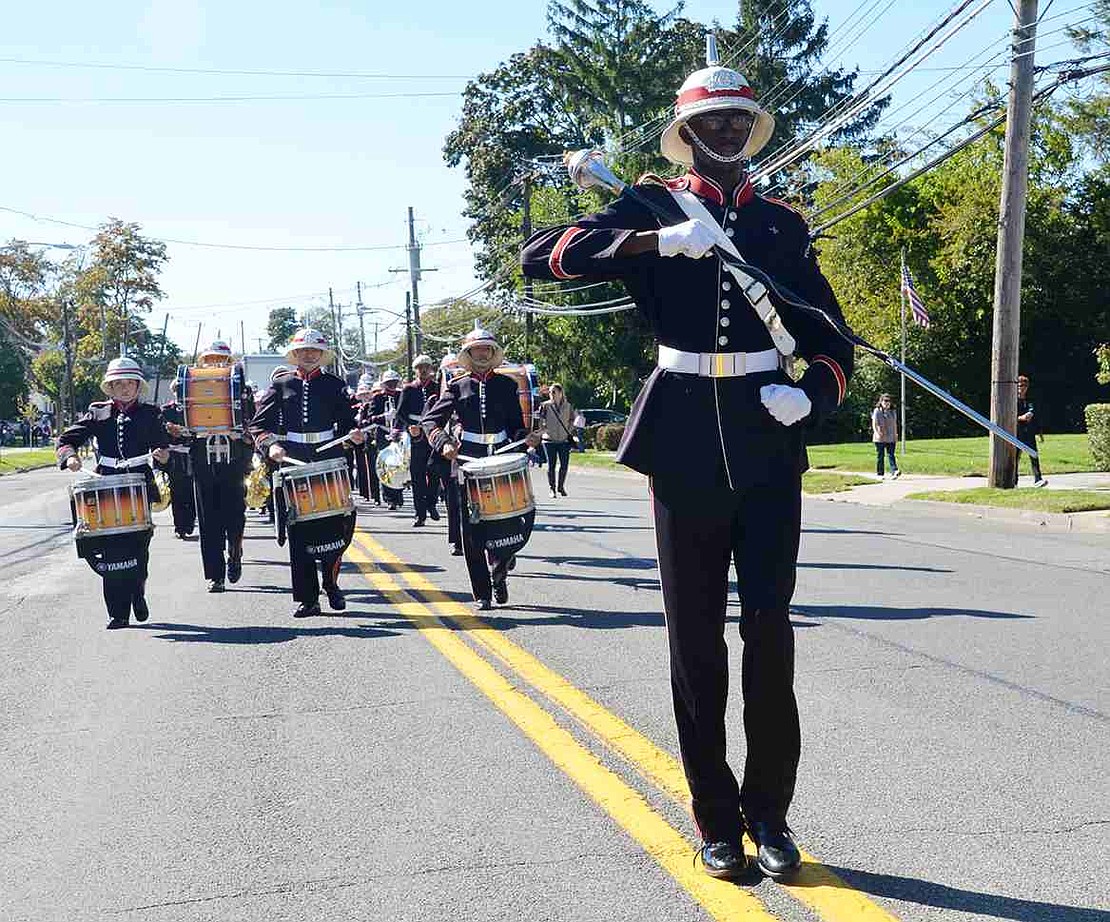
700	92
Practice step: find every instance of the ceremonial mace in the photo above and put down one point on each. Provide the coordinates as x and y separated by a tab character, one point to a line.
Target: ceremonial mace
587	169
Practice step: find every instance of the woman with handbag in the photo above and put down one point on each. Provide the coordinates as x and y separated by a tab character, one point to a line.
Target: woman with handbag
557	427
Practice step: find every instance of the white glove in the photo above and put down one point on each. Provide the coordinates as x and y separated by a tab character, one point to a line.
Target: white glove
691	238
785	403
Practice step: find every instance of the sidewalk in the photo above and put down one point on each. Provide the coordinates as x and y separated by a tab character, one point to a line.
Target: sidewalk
892	492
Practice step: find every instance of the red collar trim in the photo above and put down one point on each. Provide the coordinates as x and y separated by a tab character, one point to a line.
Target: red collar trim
307	376
482	375
124	407
704	187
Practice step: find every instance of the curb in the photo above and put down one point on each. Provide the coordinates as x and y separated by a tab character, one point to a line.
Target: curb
1098	521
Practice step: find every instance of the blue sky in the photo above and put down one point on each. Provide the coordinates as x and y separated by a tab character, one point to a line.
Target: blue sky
297	172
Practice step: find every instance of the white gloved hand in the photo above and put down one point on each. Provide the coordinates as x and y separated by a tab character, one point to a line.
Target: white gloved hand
785	403
691	238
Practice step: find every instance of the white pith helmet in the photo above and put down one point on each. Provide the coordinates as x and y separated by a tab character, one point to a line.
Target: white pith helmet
714	89
422	360
217	349
309	338
124	369
479	337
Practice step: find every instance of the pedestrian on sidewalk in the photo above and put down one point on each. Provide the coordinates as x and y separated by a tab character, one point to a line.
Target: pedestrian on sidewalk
1028	427
580	430
556	423
884	433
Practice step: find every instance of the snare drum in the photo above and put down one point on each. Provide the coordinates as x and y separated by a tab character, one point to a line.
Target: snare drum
497	487
211	398
112	505
317	490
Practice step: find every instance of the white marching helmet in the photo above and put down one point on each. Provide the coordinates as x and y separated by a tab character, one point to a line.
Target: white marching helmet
390	374
479	337
714	89
423	360
124	369
217	349
365	384
309	338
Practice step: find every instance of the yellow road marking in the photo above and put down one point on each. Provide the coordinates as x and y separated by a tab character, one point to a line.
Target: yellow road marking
816	886
662	842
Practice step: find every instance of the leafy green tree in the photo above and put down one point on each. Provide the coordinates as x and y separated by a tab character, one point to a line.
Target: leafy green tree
280	327
13	376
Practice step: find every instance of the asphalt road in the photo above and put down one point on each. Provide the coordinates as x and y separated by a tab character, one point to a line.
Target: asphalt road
399	761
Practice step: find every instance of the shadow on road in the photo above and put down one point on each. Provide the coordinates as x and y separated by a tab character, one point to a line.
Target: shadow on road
889	613
267	634
869	566
941	896
614	563
817	530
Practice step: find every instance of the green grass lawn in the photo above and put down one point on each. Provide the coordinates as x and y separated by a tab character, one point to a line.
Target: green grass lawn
1060	454
13	461
1037	500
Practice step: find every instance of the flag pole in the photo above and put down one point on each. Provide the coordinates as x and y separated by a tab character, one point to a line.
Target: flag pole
902	299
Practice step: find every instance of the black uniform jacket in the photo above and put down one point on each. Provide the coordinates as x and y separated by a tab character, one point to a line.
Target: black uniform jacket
294	403
415	399
711	434
484	404
118	435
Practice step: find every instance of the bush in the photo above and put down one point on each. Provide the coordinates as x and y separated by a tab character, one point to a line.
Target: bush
1098	431
590	435
609	436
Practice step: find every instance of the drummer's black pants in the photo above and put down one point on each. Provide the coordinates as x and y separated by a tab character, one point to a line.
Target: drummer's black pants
182	500
222	505
757	529
303	560
425	483
121	561
484	567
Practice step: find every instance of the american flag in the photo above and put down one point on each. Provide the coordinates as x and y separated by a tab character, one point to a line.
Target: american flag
917	306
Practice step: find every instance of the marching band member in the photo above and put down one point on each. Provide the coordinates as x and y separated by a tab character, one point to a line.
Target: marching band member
733	494
298	412
486	406
124	427
440	466
179	469
383	410
365	455
415	398
220	466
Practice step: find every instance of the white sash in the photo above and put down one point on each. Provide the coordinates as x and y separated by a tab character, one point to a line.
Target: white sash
755	293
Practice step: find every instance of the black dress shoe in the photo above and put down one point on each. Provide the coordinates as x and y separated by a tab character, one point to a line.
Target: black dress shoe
336	602
115	624
776	854
418	523
180	535
501	592
456	550
433	514
562	491
234	569
139	607
482	605
215	585
725	860
305	610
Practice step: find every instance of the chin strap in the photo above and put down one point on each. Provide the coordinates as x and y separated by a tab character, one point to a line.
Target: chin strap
712	154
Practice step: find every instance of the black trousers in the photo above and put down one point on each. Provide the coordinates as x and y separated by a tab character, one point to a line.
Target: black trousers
1030	439
425	483
366	474
222	506
483	567
305	539
757	529
121	561
182	501
557	452
451	499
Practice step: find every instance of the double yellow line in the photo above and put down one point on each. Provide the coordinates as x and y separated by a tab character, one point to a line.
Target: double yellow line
425	606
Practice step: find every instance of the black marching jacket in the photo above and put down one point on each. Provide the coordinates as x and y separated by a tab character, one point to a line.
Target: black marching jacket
691	433
119	435
484	405
315	406
415	399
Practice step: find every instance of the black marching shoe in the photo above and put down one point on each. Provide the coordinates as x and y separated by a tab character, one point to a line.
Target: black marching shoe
776	855
501	592
456	550
139	606
234	569
417	523
336	602
115	624
482	605
307	610
562	491
724	860
215	585
433	514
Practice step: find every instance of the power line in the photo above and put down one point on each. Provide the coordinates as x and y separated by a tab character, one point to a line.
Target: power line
162	100
355	75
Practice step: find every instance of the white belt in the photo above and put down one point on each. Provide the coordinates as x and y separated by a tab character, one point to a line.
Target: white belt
124	462
484	438
717	364
307	438
180	449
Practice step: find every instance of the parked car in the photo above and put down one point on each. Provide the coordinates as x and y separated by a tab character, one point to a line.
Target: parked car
598	416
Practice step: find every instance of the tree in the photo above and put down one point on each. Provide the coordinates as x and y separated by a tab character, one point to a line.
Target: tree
280	327
13	376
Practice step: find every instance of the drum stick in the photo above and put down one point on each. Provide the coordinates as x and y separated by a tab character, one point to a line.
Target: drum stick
293	461
510	446
341	440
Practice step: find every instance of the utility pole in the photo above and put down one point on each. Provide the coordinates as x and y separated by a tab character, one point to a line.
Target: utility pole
408	329
415	271
1011	237
526	232
331	308
66	415
242	339
361	308
260	344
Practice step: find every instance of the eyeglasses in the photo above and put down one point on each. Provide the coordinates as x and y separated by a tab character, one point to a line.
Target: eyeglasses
738	121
